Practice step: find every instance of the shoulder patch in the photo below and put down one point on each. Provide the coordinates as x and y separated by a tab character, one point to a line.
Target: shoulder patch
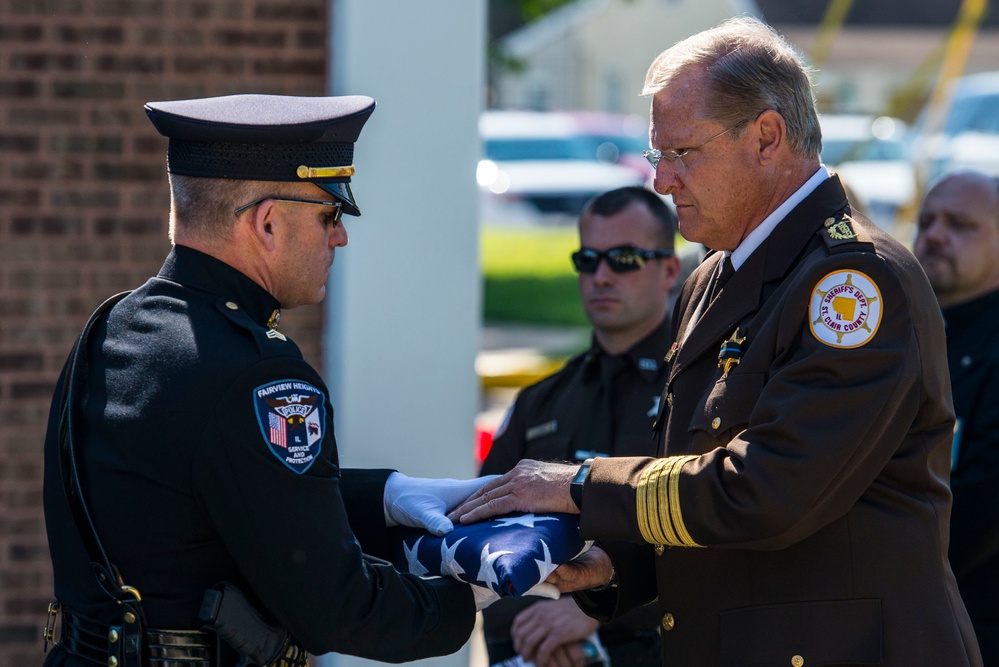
845	309
290	414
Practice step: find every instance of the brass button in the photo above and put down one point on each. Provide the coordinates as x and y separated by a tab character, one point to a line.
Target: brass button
112	662
660	549
231	305
129	617
716	423
669	399
828	222
112	635
797	660
668	622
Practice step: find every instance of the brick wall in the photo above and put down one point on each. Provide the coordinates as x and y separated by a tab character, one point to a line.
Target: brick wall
84	202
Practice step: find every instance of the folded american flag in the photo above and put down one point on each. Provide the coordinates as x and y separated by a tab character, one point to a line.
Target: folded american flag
509	554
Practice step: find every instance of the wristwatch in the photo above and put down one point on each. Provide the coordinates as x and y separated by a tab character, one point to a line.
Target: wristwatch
576	487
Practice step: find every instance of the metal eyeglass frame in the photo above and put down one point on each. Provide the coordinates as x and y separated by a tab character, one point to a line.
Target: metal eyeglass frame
654	155
294	200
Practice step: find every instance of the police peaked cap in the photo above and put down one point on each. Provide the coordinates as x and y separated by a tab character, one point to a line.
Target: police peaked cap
266	138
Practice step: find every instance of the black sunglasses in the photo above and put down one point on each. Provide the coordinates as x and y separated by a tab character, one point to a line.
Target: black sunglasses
337	213
620	259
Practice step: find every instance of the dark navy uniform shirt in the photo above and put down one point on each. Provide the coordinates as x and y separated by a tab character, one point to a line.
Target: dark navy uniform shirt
207	454
973	356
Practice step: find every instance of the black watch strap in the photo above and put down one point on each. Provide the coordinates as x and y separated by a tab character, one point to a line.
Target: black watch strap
576	487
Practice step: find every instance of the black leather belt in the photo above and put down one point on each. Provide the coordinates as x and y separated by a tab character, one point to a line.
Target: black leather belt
96	642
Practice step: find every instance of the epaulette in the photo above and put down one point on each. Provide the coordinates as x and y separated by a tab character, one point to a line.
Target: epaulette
842	234
270	341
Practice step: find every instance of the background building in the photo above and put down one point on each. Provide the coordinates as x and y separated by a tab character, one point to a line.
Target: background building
593	54
875	56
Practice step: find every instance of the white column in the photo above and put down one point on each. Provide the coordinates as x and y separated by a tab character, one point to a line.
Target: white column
403	304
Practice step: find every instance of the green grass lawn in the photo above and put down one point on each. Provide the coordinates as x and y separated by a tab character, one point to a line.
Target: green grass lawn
528	277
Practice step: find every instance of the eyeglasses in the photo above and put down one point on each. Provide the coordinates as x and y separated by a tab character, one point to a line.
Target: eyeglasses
337	214
654	155
620	259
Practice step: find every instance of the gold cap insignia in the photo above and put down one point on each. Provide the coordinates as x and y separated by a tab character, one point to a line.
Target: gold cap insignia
324	172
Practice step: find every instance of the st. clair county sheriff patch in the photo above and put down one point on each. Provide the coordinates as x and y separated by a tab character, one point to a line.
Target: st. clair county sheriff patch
290	415
845	309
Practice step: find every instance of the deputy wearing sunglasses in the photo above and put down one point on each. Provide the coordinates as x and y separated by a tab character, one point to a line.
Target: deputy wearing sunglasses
602	403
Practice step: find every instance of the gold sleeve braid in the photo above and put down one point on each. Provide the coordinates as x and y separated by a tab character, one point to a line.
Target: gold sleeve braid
658	503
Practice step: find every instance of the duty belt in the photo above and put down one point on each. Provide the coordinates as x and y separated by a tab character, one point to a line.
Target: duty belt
100	644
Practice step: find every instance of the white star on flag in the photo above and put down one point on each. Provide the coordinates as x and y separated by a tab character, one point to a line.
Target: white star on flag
448	564
505	555
523	520
546	566
413	558
487	574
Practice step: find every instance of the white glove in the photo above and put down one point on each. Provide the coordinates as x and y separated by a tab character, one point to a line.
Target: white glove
421	502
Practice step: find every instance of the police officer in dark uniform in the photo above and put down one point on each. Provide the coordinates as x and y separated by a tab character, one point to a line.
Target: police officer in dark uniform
957	244
602	403
193	449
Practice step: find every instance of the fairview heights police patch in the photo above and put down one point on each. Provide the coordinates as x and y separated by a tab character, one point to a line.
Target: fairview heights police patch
291	418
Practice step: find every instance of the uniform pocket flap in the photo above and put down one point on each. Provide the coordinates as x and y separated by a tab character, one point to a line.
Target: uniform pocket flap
730	403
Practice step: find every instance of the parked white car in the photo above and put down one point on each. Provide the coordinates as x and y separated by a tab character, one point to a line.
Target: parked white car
872	156
537	163
968	136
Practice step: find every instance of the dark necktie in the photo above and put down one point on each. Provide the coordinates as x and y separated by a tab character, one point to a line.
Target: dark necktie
602	424
722	277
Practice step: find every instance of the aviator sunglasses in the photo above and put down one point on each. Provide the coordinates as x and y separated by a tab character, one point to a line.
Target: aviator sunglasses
620	259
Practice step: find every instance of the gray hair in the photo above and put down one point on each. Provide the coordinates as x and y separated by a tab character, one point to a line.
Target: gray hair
204	207
750	69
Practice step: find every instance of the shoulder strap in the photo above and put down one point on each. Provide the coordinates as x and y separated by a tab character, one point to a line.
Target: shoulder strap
107	575
840	234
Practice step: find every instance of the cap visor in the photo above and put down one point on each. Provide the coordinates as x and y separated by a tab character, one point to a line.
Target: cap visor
341	192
